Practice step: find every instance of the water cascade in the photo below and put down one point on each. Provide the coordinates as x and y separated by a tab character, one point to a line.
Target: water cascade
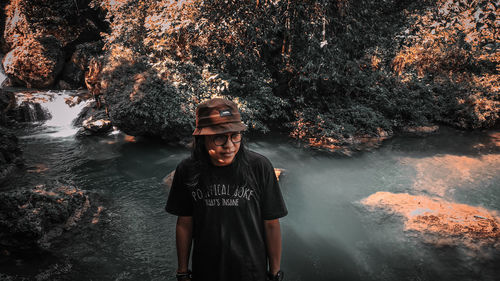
62	108
3	77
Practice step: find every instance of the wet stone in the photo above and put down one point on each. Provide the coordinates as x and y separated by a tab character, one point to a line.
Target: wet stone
35	218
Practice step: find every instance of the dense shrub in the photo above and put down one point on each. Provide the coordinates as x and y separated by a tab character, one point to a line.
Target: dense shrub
323	70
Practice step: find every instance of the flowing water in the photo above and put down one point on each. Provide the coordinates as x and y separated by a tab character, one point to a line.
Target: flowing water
2	75
330	233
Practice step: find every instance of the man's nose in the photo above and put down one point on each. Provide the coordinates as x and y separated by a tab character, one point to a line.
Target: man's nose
229	143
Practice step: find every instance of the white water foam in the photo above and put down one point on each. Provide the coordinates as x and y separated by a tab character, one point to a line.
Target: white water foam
60	125
3	77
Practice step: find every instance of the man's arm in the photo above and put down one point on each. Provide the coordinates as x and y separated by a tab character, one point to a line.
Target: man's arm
273	240
183	236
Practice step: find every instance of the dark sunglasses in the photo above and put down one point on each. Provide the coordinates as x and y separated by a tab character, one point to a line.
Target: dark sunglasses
221	140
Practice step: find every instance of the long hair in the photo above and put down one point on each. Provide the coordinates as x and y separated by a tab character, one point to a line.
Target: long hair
199	172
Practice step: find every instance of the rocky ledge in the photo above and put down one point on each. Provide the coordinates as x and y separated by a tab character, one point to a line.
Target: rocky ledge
33	219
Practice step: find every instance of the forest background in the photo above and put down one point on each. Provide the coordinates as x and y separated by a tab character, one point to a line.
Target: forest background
330	73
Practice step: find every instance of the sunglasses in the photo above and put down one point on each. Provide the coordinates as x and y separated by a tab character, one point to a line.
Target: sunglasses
221	140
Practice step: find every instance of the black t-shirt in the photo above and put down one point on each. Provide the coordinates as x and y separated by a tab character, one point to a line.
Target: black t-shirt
228	218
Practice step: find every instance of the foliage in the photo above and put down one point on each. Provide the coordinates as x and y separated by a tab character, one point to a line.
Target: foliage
455	42
322	70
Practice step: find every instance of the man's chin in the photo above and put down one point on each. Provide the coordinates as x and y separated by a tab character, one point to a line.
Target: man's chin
226	160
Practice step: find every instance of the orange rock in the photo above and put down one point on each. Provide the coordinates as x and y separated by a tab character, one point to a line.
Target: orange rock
36	62
440	221
129	138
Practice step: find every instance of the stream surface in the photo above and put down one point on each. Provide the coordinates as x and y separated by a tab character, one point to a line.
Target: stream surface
328	234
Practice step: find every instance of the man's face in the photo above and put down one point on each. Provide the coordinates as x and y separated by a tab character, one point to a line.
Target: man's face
222	148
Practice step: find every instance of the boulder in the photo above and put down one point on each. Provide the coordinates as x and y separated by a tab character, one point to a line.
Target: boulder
33	219
30	111
100	126
8	82
70	22
141	104
7	103
421	130
25	107
90	111
36	63
26	19
63	85
10	154
75	69
440	222
94	121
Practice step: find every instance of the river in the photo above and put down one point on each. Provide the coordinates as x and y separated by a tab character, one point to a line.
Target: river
335	229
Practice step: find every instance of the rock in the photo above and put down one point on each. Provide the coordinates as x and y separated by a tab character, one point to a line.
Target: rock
16	26
421	130
167	181
72	74
8	82
75	69
93	121
147	106
36	63
344	145
26	107
29	111
100	126
63	85
440	222
68	22
33	219
26	19
10	154
88	111
7	103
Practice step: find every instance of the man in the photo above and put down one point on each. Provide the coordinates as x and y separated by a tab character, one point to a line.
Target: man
228	203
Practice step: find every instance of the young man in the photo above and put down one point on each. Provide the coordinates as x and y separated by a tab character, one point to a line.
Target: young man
228	203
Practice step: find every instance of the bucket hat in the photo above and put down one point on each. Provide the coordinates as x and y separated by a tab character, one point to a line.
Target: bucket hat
218	116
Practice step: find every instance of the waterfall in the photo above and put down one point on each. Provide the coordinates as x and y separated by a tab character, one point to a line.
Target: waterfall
32	112
3	77
62	108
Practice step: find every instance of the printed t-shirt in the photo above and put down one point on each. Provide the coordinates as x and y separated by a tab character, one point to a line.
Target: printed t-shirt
228	219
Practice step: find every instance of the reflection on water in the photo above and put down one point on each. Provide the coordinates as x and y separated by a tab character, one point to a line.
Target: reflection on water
444	173
328	234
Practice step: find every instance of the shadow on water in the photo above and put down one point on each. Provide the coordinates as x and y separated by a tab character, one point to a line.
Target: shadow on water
315	258
447	141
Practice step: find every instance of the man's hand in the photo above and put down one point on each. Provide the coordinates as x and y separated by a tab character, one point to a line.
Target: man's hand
275	277
184	276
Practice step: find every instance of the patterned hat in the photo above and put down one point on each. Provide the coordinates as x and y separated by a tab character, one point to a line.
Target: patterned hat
218	116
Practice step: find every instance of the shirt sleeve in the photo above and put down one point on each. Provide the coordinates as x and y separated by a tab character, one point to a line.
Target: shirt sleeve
273	205
179	201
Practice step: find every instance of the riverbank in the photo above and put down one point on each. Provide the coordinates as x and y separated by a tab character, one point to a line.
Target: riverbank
336	76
